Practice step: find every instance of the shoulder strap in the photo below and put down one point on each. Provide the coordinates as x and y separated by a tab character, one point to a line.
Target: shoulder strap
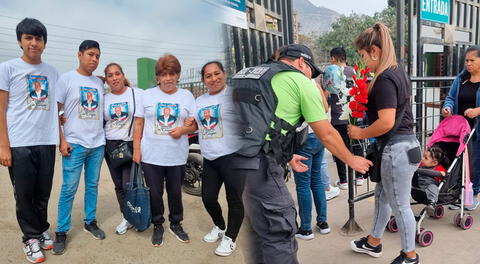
133	115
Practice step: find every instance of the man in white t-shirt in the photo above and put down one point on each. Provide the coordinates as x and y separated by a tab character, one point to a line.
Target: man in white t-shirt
82	141
28	134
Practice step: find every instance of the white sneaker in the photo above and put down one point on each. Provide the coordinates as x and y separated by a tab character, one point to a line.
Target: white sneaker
226	247
45	241
32	251
123	227
332	193
215	234
341	185
359	181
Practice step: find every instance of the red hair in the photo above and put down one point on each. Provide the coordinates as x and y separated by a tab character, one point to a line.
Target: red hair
167	64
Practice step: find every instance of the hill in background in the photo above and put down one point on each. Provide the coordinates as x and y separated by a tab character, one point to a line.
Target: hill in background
313	20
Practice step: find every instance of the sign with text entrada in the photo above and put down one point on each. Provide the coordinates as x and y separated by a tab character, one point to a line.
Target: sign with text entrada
435	10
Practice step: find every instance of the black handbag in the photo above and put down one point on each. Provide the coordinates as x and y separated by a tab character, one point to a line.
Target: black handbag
123	152
375	150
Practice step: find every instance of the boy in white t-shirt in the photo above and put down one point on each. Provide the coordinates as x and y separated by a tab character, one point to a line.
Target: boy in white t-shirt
29	133
82	141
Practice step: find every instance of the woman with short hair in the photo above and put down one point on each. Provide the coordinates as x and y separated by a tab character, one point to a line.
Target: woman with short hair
160	143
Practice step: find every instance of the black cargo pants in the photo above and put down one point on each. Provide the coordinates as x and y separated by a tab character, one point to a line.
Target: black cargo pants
270	209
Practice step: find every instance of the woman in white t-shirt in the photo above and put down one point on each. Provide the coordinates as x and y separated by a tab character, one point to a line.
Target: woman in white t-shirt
217	122
160	143
118	114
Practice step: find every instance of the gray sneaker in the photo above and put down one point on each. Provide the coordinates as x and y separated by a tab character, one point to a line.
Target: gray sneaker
94	230
46	242
32	251
473	206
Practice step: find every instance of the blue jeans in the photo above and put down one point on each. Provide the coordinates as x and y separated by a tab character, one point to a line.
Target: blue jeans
72	169
311	182
324	173
392	194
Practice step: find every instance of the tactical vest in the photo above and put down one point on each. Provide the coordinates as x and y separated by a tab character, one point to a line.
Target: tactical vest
261	129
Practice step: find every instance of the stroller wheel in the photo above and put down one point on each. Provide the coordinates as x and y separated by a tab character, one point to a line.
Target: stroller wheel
425	238
466	222
392	225
456	219
417	235
439	212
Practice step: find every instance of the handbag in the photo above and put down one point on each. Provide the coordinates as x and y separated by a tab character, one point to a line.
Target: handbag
137	200
375	150
122	153
374	154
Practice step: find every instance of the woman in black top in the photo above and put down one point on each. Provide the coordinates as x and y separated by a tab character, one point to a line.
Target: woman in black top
388	100
464	99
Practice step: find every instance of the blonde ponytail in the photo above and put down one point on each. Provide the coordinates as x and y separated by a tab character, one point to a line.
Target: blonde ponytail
378	35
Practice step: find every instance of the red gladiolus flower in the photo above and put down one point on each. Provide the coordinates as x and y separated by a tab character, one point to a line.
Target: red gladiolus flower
357	114
355	68
352	105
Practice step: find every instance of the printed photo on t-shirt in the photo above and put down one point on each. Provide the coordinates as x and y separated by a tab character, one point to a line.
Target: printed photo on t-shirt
211	122
119	114
37	88
166	117
88	108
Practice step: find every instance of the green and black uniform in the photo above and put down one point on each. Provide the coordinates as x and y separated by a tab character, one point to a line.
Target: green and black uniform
268	203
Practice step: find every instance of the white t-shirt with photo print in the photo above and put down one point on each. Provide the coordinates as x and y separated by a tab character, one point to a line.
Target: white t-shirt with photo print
118	114
163	112
82	99
218	122
32	115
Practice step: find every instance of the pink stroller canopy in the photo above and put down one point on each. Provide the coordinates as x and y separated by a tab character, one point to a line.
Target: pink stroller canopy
452	129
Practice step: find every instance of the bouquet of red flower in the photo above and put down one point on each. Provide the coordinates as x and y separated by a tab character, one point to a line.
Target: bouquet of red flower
353	100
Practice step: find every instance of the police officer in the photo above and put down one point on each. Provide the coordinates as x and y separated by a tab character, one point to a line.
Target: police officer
273	100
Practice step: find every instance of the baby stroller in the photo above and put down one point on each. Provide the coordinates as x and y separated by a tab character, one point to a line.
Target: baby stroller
452	135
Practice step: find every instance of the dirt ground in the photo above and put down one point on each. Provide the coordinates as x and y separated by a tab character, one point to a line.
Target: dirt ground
450	244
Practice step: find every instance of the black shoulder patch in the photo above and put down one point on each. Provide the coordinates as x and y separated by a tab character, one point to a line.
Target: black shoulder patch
251	73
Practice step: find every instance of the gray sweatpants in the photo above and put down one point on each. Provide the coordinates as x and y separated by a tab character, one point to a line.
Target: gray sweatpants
393	192
430	186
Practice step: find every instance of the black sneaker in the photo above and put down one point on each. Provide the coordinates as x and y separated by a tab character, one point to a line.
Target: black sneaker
323	228
403	259
177	230
60	243
304	234
157	237
362	246
94	230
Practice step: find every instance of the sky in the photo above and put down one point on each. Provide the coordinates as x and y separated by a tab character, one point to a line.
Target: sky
345	7
125	29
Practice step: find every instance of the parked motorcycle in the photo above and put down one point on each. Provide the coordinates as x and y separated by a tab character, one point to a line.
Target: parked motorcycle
192	184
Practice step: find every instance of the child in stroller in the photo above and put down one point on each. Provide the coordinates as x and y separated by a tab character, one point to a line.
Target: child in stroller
430	173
